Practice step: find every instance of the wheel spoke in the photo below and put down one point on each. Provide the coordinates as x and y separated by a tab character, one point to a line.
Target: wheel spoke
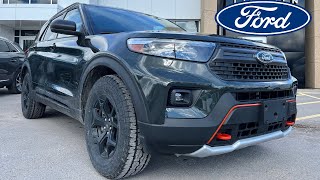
102	103
98	121
108	109
112	113
113	122
104	126
102	140
110	141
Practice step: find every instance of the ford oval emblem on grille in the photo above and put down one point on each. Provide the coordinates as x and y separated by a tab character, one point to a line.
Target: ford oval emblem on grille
264	57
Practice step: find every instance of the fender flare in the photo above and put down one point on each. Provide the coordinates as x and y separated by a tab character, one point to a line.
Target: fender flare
25	68
119	66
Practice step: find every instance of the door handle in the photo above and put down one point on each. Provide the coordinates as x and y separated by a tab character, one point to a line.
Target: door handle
13	60
53	46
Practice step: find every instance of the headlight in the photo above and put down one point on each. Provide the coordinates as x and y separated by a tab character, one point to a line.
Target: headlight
177	49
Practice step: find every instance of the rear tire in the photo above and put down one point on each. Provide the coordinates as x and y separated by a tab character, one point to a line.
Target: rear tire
30	108
16	86
112	134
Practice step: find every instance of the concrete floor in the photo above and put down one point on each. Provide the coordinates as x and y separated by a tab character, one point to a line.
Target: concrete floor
54	148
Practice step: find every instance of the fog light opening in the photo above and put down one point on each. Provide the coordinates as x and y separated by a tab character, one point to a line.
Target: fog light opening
180	98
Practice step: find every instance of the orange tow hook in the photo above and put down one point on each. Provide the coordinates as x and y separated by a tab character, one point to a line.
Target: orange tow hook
290	123
224	137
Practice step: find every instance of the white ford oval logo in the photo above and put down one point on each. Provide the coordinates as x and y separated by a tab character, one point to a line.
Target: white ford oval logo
264	57
263	18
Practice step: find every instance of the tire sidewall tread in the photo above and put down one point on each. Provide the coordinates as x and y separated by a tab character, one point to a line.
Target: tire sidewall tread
35	109
130	157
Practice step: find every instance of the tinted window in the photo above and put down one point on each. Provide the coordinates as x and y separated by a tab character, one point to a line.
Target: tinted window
40	1
49	34
4	47
73	15
11	47
110	20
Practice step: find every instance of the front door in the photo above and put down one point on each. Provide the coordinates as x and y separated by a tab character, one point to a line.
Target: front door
26	42
65	65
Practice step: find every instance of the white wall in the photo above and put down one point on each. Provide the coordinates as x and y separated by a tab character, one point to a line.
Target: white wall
169	9
65	3
7	32
27	11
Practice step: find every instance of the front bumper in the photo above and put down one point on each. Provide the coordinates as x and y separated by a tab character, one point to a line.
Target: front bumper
207	151
176	130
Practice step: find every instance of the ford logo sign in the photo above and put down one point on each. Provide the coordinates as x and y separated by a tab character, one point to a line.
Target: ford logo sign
263	18
264	57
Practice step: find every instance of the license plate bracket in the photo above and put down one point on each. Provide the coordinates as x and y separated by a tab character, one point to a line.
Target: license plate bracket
274	110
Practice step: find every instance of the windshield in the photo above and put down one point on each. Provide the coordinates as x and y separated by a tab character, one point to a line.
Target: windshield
111	20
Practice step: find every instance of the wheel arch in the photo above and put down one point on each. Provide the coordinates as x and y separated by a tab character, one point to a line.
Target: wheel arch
24	70
107	64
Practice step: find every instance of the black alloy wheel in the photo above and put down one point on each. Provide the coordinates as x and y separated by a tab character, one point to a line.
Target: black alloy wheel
105	127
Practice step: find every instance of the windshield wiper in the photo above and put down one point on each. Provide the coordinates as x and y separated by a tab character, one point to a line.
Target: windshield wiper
108	32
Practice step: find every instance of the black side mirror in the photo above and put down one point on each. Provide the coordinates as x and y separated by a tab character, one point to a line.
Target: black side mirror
64	27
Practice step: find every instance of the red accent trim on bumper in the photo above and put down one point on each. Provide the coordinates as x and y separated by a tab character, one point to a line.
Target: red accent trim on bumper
227	116
292	100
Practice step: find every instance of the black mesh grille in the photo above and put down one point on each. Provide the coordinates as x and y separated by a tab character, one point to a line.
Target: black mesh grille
247	129
263	95
249	71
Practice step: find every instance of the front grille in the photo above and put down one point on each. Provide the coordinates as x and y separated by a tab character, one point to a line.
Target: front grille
247	129
252	71
275	126
263	95
242	46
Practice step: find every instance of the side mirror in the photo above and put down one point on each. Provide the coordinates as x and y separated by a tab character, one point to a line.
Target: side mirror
64	27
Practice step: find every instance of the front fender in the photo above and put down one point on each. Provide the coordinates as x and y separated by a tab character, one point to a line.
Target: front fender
119	66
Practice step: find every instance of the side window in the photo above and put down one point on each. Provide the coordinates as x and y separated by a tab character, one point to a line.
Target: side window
75	16
11	47
49	34
4	47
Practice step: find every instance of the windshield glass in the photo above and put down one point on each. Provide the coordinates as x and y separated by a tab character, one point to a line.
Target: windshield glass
111	20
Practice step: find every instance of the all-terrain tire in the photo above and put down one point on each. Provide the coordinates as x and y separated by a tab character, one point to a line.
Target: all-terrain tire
128	156
30	108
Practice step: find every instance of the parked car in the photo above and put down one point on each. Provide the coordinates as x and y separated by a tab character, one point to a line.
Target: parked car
11	59
141	84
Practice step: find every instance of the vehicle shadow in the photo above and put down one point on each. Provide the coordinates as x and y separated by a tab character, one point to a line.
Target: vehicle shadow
5	92
165	166
191	168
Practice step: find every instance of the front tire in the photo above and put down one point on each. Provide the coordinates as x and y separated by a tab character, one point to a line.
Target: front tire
30	108
112	135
